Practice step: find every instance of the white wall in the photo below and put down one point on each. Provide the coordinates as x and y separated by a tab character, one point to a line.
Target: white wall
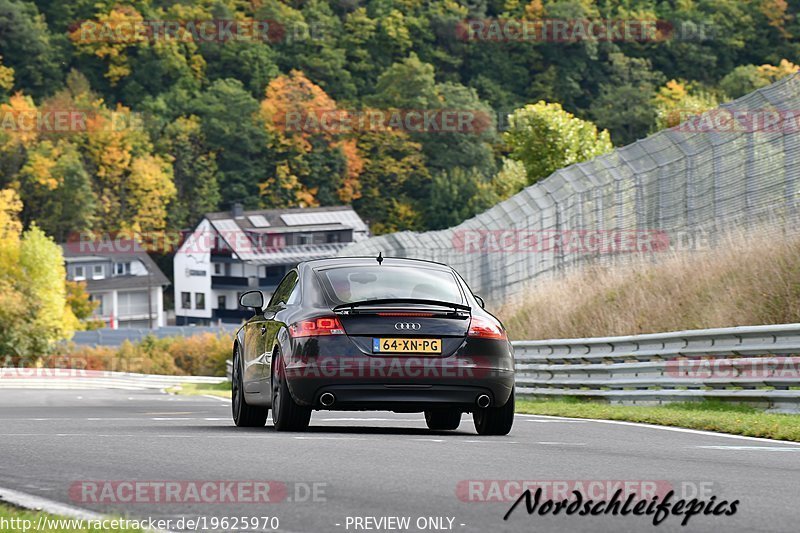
193	257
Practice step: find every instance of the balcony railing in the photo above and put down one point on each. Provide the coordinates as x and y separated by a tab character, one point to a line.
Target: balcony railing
218	282
231	315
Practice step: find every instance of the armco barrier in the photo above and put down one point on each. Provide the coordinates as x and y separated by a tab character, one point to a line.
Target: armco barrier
750	363
48	378
115	337
753	363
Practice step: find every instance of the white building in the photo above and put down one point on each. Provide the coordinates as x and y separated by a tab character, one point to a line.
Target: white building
127	283
235	251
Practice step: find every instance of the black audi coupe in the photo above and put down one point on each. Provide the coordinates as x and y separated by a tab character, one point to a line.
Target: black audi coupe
372	334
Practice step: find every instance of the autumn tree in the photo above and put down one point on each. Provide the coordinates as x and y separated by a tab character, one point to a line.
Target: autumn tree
6	80
317	159
34	313
677	100
57	190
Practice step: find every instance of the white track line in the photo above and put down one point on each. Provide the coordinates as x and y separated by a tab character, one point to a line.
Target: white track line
220	398
37	503
752	448
668	428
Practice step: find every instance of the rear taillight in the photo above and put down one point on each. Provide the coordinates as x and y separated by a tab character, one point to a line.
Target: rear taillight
324	325
484	328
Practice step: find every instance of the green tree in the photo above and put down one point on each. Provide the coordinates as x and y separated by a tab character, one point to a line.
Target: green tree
457	195
34	313
27	47
747	78
252	63
395	183
510	179
625	102
546	138
233	129
194	170
43	277
410	85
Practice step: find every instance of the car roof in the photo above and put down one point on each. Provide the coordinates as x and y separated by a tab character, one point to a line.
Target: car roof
372	261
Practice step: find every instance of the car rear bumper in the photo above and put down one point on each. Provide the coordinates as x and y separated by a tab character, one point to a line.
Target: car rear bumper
363	381
402	395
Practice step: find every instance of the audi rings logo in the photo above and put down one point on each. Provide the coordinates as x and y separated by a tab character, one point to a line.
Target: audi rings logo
407	326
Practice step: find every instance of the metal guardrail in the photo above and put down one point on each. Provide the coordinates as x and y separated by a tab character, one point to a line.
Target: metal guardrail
753	363
115	337
49	378
758	364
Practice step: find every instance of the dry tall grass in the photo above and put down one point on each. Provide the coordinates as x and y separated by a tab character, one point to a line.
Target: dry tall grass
745	281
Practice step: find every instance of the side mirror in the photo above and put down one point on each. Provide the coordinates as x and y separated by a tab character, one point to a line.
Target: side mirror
480	301
252	299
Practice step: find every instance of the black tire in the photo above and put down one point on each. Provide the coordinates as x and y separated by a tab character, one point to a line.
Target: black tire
244	416
287	415
495	420
443	419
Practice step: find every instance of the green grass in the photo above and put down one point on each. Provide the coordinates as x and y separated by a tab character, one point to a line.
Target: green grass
15	520
223	390
705	415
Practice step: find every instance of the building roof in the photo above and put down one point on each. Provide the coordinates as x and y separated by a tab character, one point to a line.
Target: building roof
99	251
295	217
234	230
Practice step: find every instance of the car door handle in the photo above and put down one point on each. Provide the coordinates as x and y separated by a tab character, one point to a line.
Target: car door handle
263	330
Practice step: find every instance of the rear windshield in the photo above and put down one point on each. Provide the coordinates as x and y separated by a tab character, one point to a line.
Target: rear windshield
356	284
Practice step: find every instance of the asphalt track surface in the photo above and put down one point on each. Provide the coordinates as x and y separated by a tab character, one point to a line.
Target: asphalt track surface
350	466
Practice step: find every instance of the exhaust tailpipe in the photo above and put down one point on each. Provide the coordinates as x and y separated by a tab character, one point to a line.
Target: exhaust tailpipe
483	401
327	399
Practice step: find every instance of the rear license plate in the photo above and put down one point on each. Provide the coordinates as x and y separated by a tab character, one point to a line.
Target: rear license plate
406	345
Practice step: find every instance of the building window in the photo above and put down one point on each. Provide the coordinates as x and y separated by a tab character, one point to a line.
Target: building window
221	303
132	303
80	273
199	300
333	237
97	272
305	238
217	269
121	269
186	300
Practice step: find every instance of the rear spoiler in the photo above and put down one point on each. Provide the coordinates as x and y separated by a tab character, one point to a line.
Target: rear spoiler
352	306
